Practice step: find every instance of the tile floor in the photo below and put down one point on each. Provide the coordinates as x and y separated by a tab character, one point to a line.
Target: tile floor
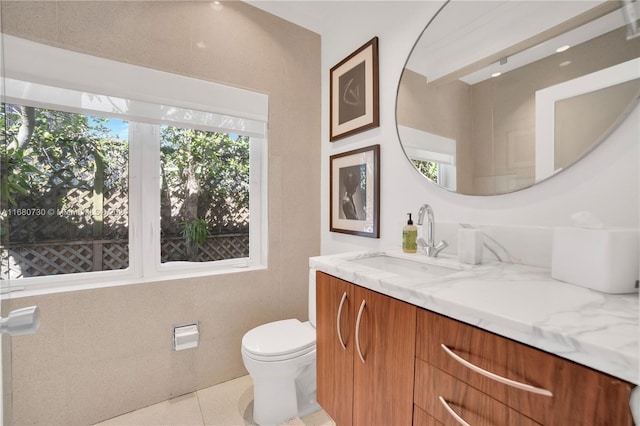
226	404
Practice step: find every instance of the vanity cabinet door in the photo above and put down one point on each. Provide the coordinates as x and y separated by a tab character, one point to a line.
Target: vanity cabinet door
385	332
365	354
335	318
579	395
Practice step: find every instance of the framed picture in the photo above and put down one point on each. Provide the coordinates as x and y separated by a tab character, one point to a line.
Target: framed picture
354	98
354	180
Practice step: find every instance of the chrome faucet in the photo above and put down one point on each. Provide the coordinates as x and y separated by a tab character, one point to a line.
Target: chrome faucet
429	247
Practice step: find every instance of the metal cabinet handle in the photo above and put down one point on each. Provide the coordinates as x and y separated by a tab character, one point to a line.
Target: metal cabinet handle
455	415
344	297
494	376
358	330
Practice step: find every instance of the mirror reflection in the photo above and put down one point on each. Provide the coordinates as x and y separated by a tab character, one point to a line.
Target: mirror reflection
499	95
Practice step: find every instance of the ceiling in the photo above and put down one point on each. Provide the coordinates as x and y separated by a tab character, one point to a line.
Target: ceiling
513	34
313	15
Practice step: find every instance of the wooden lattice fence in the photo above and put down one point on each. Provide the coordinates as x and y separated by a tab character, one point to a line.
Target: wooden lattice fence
83	201
42	259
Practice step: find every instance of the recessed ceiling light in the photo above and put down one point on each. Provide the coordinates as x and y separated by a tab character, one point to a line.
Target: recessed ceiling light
563	48
496	74
565	63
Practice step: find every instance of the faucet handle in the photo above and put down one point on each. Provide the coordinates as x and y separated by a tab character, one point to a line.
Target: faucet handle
441	246
421	243
438	248
431	251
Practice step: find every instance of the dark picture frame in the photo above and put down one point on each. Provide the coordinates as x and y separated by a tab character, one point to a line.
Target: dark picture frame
354	104
354	181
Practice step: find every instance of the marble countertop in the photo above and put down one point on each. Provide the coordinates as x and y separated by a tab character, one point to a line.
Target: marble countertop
520	302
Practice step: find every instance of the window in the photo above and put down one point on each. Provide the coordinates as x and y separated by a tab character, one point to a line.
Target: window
111	188
428	168
65	180
433	155
204	201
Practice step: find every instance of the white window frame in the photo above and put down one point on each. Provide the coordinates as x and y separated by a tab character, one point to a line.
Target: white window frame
48	77
546	99
424	146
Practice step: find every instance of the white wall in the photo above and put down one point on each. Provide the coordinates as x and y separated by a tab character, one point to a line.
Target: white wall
606	182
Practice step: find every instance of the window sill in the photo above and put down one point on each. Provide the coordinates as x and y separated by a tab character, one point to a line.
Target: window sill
18	290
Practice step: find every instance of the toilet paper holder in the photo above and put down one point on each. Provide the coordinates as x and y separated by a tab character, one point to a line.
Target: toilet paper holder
186	336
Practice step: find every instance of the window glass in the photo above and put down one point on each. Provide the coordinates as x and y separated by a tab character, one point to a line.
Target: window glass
428	168
64	193
204	201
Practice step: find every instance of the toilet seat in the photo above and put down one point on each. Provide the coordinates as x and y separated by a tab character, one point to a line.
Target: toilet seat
279	340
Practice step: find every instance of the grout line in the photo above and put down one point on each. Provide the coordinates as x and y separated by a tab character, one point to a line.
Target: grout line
200	408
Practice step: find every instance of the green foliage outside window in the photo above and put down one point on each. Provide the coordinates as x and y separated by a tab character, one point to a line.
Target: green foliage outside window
205	175
427	168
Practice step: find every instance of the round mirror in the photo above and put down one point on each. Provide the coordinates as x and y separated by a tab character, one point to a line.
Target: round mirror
499	95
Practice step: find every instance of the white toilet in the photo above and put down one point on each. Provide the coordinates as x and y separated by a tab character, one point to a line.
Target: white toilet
281	358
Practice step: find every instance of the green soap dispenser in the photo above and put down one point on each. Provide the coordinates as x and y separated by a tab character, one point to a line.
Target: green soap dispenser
409	237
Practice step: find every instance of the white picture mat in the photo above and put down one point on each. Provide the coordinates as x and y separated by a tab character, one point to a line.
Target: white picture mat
365	56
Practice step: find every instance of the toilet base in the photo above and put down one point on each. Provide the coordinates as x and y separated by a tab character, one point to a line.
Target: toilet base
279	397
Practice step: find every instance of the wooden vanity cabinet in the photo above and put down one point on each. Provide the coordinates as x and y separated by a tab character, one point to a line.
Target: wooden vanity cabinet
382	361
555	392
365	354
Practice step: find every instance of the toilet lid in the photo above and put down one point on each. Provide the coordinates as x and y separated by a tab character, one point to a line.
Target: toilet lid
279	338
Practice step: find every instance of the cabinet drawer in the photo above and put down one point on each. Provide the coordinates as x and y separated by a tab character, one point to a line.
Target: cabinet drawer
421	418
580	395
435	388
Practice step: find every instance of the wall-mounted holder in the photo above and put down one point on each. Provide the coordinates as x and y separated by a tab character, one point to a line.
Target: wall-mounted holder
21	321
185	336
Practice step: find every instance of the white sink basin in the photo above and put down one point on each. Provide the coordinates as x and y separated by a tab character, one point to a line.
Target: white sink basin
405	267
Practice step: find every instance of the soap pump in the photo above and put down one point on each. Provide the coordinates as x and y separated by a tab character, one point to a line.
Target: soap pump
409	237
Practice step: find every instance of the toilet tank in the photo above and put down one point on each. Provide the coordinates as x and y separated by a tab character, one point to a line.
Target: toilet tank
312	297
